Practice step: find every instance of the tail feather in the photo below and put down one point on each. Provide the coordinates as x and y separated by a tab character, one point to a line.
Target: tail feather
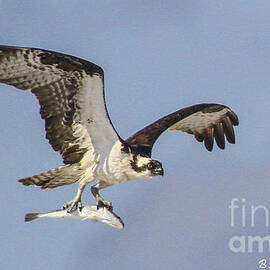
63	175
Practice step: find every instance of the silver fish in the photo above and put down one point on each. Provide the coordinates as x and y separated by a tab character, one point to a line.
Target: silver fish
101	214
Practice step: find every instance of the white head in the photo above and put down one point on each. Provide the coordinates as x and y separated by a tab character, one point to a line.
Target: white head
145	167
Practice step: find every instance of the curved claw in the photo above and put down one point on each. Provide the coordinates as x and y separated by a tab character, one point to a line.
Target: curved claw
103	203
72	206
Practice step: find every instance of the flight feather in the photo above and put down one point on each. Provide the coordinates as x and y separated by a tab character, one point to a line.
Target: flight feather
70	91
205	121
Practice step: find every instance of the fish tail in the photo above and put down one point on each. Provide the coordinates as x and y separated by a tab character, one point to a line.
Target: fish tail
63	175
31	216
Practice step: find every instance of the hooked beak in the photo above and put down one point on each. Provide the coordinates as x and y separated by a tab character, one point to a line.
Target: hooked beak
158	171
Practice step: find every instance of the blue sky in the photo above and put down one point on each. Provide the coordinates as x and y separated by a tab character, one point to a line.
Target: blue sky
158	56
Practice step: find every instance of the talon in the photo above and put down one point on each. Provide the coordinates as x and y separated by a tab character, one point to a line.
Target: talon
72	206
103	203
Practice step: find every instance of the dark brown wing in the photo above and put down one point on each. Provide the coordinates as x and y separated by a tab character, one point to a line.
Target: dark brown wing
71	96
204	121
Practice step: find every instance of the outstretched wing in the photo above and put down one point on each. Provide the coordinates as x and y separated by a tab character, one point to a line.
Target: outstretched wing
204	121
71	96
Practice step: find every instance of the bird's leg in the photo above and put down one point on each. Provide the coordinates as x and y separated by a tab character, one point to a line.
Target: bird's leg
100	201
76	202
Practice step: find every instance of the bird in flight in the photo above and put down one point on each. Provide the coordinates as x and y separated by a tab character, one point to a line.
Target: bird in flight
70	92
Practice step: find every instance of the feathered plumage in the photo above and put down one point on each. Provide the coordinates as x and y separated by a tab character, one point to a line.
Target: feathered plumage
70	92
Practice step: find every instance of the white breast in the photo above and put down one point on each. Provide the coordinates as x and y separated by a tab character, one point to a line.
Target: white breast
111	169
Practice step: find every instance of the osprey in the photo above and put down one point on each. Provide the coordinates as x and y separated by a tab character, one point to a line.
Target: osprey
70	92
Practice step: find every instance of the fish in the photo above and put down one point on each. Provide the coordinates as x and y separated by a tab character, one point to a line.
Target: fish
92	212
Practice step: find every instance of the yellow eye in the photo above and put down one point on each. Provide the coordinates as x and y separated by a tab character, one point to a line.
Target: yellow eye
149	166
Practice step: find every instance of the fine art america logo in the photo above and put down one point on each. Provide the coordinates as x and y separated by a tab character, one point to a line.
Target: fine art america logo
245	215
